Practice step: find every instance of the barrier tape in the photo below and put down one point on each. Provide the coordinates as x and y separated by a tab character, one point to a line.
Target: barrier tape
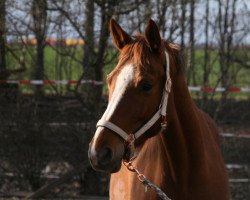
51	82
218	89
94	82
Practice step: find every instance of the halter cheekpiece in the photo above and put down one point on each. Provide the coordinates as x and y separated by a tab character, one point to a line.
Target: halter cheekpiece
161	113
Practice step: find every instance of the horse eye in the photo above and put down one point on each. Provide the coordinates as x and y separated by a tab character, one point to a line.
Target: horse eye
147	86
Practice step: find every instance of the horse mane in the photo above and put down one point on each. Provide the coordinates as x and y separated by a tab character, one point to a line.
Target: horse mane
177	54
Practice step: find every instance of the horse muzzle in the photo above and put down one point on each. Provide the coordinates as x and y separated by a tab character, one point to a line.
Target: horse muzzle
106	155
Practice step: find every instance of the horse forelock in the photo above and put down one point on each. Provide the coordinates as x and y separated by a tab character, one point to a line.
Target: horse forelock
137	53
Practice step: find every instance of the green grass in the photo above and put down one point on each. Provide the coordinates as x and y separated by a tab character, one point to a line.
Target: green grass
241	80
56	66
62	67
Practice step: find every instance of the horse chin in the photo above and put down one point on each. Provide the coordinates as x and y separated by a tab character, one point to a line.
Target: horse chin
115	167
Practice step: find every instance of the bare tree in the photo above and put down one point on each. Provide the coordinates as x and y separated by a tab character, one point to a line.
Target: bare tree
183	21
87	91
226	23
206	65
2	35
191	67
39	14
206	49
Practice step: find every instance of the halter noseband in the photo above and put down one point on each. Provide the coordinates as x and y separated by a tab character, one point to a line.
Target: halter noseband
162	112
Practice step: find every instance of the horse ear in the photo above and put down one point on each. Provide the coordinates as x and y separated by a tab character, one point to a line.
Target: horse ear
119	36
153	36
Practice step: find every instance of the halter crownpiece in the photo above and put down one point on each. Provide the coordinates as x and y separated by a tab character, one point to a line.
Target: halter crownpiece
162	112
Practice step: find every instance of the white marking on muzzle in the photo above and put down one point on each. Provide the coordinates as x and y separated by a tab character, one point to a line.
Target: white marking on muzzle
123	80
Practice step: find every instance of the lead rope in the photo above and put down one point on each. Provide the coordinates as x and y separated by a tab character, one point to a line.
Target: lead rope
147	183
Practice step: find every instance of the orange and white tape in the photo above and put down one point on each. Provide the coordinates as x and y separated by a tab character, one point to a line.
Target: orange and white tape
95	82
218	89
50	82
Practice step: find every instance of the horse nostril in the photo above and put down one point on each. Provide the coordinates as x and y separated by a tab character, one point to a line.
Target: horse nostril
105	156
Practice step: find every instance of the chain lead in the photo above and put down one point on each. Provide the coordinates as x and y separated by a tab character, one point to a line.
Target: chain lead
145	181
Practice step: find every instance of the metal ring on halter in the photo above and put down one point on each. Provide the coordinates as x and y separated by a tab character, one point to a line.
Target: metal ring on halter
130	148
131	139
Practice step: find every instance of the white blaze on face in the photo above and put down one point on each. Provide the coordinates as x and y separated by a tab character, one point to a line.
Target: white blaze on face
123	80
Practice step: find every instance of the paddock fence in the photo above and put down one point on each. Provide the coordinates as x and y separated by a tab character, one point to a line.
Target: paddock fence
45	140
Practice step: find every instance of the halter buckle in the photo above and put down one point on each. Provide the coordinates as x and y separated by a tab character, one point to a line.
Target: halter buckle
168	85
164	123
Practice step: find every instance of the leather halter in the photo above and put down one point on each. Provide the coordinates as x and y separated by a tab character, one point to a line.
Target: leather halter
162	112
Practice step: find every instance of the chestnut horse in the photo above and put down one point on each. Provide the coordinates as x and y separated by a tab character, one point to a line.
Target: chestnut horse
182	157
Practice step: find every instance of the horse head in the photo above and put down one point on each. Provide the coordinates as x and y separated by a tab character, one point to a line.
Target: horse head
136	88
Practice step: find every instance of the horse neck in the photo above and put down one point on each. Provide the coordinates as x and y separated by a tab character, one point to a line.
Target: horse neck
183	139
185	117
175	148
